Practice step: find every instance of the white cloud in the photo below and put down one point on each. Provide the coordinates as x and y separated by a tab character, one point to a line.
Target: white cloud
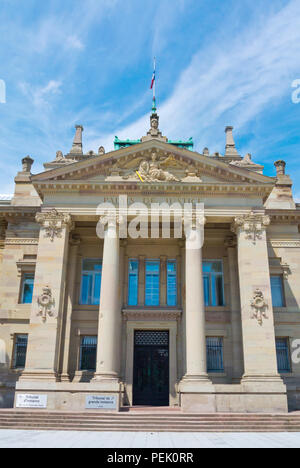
235	81
41	96
73	42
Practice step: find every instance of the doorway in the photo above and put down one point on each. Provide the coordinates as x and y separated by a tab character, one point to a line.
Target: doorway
151	368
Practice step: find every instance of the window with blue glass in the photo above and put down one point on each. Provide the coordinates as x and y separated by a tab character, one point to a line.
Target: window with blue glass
283	355
278	299
27	288
214	349
213	283
133	282
171	283
88	353
91	282
152	289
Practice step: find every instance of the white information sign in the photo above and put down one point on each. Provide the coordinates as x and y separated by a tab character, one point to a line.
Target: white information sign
101	402
32	401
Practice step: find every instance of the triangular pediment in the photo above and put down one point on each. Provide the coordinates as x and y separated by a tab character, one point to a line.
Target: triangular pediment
152	162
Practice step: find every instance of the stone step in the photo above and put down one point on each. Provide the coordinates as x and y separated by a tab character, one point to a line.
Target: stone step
117	428
152	421
145	422
158	419
213	416
148	422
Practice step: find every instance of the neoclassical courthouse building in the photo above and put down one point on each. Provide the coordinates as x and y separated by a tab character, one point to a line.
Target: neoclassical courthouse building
91	322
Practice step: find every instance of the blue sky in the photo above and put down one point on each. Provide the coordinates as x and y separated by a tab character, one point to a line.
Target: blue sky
89	62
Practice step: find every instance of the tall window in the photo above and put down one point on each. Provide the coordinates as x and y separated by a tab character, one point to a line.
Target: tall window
171	283
27	288
88	353
283	355
215	362
133	282
152	283
213	283
278	299
91	282
20	351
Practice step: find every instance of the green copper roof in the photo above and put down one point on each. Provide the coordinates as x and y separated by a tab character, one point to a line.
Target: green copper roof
119	144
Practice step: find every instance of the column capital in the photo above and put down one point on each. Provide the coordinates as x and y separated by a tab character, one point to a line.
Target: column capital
54	222
3	225
75	240
194	221
253	224
230	242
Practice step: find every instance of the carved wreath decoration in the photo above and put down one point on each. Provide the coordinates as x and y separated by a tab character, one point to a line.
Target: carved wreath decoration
259	306
46	303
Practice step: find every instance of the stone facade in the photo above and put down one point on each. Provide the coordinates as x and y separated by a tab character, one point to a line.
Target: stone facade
251	225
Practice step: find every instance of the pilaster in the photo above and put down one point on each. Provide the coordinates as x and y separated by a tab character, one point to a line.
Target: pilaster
48	297
260	360
67	322
235	304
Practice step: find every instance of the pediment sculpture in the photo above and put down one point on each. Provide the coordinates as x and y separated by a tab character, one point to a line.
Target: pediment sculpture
151	170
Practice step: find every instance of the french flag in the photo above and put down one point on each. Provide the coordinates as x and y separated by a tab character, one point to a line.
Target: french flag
153	80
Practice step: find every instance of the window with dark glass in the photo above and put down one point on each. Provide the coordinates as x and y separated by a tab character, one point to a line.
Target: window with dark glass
133	282
91	282
20	351
283	355
88	353
215	361
213	283
171	283
152	291
278	299
27	288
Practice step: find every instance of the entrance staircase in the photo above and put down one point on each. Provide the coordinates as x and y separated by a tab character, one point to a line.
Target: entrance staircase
149	420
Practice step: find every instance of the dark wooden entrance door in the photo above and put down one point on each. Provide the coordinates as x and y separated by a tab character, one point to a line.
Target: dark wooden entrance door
151	368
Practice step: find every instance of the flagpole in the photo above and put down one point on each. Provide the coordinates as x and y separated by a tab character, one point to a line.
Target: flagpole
154	88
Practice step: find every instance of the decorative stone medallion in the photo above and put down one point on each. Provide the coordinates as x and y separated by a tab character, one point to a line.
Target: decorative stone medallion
46	304
259	306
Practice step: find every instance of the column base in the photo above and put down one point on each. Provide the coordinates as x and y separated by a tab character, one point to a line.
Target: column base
64	378
197	394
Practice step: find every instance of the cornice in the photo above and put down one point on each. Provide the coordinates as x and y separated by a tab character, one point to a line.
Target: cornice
21	241
163	189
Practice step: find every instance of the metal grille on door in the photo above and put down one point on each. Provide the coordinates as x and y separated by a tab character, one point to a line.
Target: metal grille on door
152	338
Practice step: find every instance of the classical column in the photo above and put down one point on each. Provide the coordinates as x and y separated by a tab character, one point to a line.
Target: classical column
235	304
110	320
260	363
196	362
48	296
196	390
67	323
